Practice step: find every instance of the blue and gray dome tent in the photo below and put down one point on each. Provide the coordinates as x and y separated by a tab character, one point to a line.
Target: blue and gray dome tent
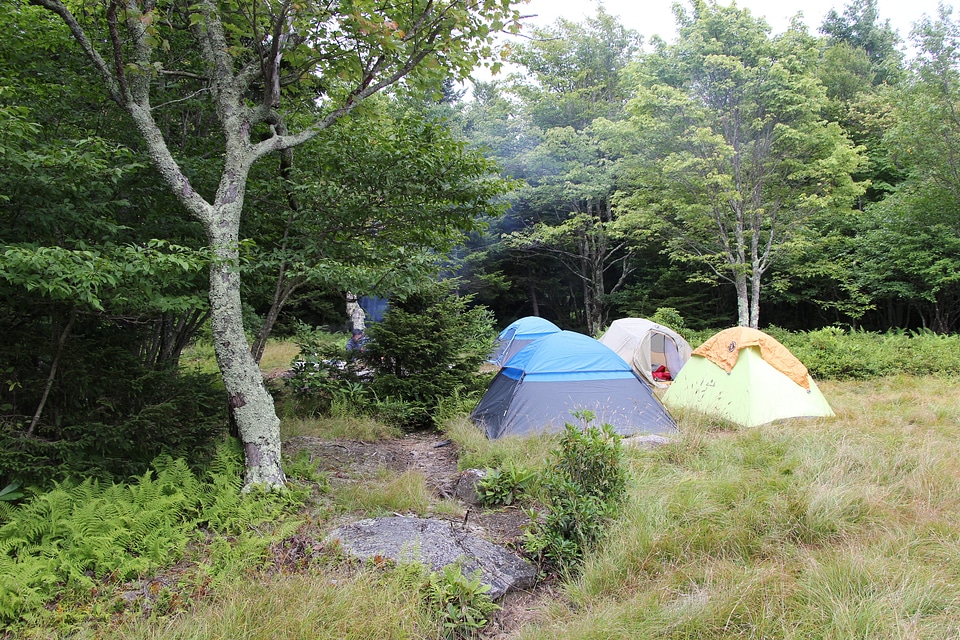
519	334
564	372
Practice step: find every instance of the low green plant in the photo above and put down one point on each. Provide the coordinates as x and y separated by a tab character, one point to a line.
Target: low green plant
11	492
583	487
302	466
67	540
833	353
504	485
460	603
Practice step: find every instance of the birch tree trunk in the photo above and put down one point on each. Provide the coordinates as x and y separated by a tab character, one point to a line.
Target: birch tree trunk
249	401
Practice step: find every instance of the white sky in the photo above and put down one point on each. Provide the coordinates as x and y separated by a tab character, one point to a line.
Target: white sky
651	17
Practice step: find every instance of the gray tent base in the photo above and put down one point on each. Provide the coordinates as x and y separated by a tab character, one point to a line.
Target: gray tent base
522	407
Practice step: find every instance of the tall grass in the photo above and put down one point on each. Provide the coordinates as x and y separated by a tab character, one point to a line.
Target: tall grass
387	492
841	528
808	529
327	604
338	428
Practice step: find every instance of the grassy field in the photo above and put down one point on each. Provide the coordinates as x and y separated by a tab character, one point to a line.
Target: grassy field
830	528
839	528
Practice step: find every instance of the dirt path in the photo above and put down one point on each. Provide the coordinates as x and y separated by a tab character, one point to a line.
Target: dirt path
436	458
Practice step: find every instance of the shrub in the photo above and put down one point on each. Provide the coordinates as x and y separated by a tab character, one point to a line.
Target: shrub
836	354
460	603
326	378
584	487
129	420
670	317
429	347
504	485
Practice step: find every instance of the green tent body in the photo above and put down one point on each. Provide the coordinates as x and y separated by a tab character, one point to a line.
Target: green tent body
751	394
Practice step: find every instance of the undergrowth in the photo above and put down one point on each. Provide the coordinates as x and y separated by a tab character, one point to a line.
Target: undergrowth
79	536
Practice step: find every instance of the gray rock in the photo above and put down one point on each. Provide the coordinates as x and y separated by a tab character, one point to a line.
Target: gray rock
467	486
436	544
649	442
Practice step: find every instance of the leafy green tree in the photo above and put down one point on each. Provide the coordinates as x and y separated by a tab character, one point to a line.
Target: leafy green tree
559	144
738	157
342	221
275	75
909	248
429	347
860	28
94	311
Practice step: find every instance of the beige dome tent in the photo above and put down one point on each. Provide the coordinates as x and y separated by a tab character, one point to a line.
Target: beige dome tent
746	376
647	346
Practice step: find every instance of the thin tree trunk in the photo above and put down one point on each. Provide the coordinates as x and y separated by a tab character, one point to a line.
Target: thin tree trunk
61	341
743	300
755	283
534	302
251	405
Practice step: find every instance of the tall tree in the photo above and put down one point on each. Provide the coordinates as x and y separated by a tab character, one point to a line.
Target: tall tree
860	27
739	158
342	221
573	89
911	246
276	73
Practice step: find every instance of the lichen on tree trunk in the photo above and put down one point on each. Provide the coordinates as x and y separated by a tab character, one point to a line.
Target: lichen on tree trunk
250	403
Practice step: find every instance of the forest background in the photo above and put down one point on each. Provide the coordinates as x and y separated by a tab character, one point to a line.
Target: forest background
815	173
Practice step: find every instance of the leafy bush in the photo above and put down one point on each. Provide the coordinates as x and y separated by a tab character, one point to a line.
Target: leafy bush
836	354
584	487
833	353
429	347
326	379
131	417
504	485
460	603
670	317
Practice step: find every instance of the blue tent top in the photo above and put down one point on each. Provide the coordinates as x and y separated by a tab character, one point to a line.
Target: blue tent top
528	327
517	335
566	355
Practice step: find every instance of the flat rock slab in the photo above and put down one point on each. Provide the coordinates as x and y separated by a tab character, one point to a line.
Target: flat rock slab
436	544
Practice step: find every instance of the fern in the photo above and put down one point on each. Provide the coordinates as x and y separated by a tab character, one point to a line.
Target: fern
75	534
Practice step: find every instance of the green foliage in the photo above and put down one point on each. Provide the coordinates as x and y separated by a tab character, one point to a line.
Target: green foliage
505	484
459	603
63	540
429	347
11	492
327	379
584	488
112	419
837	354
669	317
302	466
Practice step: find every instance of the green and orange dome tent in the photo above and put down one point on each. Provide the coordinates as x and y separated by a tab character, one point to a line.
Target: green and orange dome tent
747	377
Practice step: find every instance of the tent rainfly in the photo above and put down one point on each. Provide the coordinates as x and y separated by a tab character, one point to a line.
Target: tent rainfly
517	335
746	376
550	378
648	346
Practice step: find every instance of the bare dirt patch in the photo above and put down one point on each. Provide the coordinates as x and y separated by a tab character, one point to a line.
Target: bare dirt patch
428	453
435	457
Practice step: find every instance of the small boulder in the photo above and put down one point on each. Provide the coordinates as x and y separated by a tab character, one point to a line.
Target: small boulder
436	544
647	442
466	490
